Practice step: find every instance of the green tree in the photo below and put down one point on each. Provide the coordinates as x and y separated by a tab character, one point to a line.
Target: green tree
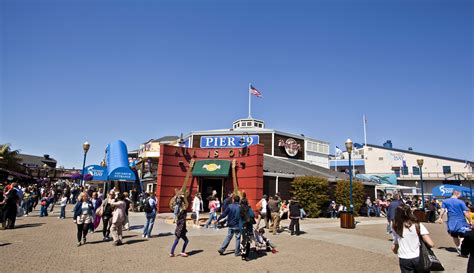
311	192
342	194
9	158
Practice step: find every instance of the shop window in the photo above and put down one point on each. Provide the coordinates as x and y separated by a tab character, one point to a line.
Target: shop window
416	170
405	170
397	172
446	169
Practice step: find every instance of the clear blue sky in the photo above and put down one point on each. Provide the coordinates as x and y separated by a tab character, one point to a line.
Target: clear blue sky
73	71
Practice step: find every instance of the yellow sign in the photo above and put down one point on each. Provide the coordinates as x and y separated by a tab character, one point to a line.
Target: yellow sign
211	167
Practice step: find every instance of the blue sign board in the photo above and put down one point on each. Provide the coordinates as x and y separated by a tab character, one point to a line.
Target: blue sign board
228	141
447	190
122	174
97	172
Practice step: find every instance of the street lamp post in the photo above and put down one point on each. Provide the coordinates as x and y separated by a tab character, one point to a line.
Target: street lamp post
420	161
349	151
469	177
85	147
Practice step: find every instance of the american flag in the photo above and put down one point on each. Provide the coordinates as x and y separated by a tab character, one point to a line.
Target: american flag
255	92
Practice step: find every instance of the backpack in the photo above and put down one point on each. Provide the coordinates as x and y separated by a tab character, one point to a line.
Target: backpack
147	208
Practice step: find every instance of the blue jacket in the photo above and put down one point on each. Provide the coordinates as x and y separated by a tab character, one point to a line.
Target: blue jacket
392	208
78	209
233	215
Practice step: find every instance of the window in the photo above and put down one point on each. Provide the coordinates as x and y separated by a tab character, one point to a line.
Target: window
380	158
446	169
405	170
416	170
397	172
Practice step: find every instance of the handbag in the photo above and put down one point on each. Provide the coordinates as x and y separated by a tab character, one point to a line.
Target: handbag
193	216
99	211
428	260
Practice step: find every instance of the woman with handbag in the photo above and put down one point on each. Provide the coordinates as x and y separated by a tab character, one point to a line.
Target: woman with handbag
83	211
406	243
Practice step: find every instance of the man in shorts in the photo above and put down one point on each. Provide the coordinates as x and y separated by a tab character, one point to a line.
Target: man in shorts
459	220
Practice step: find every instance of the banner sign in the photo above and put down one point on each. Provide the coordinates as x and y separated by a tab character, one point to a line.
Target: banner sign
97	172
379	178
122	174
228	141
447	190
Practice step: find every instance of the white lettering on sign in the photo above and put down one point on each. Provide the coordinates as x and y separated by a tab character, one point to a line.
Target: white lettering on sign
446	191
222	142
208	141
229	141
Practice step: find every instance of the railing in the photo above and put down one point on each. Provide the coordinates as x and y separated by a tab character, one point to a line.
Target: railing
437	176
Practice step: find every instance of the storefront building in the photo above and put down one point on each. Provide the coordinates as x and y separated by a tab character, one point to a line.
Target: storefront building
248	156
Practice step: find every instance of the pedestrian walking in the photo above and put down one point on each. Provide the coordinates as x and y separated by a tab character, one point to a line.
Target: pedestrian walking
232	213
197	206
107	215
392	208
294	216
97	203
10	206
406	244
180	233
262	211
459	219
213	207
82	217
118	218
247	220
63	204
150	214
128	202
275	214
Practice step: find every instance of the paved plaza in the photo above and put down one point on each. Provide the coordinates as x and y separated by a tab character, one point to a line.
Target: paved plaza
49	245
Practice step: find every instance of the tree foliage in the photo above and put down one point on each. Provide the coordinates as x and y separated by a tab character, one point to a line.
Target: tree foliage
342	194
8	157
312	193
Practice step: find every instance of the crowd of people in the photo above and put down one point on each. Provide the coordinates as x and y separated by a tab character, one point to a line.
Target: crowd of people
91	207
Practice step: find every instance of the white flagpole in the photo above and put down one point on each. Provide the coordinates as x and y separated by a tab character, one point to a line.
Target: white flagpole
365	130
250	105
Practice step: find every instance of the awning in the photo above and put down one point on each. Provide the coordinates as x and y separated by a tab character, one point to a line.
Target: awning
211	168
17	174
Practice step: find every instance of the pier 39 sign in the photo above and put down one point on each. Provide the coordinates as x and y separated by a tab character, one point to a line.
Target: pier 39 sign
228	141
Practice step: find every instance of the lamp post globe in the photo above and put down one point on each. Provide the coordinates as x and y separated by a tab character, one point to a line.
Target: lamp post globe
85	147
420	162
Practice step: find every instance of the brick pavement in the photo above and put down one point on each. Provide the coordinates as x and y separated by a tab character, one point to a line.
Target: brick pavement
48	245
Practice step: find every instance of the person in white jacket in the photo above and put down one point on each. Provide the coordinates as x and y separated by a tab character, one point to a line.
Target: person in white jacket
197	207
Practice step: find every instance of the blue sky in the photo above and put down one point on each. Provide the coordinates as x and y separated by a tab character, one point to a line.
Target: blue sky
73	71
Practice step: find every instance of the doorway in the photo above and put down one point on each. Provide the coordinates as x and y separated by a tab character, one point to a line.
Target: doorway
206	186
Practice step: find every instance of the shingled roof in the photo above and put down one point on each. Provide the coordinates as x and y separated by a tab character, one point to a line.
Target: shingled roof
299	168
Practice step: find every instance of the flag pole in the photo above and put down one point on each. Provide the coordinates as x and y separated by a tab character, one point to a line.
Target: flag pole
250	105
365	130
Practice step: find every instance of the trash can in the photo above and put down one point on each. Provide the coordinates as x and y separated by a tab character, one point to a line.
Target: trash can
420	215
347	220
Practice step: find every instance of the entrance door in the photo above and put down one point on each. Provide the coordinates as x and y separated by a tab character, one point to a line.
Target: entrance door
206	186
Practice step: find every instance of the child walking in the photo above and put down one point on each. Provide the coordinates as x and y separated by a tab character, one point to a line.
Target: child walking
63	207
180	233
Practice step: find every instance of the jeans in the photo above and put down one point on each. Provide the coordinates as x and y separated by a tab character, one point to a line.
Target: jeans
106	227
176	240
43	211
369	209
333	214
212	216
295	222
230	233
150	221
63	212
409	265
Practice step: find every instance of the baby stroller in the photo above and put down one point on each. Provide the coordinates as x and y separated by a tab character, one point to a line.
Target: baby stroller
261	242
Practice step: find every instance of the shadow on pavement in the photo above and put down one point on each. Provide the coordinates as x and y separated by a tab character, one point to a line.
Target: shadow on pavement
29	225
254	255
449	249
136	227
164	234
194	252
128	236
5	244
131	242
